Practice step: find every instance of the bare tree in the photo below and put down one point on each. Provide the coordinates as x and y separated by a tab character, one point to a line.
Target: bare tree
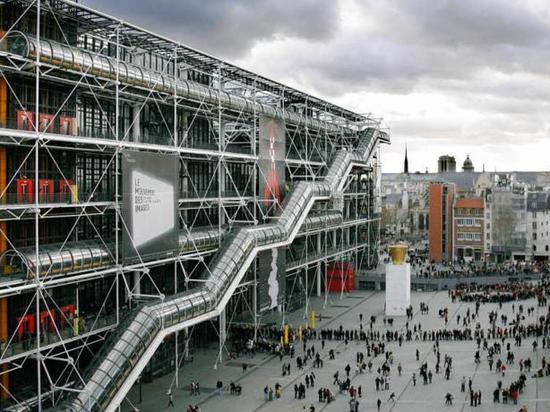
504	221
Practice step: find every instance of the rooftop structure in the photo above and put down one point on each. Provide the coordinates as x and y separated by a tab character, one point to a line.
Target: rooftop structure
446	163
406	163
467	166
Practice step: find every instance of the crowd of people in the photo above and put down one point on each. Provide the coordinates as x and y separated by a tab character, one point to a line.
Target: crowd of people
422	267
501	292
495	344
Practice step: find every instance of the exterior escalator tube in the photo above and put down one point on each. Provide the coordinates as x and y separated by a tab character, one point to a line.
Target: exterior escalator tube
109	380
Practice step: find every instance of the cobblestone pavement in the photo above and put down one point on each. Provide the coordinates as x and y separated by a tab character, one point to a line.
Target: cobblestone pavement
344	310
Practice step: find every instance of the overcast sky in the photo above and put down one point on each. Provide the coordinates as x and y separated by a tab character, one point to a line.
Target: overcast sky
448	77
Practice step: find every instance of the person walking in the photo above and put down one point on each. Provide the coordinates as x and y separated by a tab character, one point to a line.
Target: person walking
378	403
170	399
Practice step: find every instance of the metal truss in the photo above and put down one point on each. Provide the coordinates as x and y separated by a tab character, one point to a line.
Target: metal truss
207	113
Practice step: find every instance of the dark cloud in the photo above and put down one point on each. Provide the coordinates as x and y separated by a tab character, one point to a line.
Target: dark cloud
227	28
451	73
405	45
474	23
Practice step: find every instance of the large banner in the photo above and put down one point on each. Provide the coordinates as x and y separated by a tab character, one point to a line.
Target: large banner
271	278
271	162
150	213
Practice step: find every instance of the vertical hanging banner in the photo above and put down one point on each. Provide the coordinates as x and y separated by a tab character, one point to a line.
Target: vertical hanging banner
271	278
271	164
150	227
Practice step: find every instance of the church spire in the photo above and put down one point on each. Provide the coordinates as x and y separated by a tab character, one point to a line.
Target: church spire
406	164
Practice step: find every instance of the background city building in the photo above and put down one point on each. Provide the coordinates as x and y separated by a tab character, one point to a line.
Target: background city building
509	224
538	224
440	236
468	229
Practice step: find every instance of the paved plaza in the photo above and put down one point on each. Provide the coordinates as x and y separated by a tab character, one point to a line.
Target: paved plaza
345	310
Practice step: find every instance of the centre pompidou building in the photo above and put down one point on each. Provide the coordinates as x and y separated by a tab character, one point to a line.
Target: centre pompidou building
152	197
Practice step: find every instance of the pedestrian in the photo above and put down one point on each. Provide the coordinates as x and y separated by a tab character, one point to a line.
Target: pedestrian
378	403
170	399
278	390
496	396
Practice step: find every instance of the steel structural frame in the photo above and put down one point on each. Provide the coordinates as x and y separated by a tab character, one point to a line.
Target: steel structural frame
314	148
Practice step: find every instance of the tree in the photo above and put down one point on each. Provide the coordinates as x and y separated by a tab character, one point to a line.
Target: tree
504	222
389	217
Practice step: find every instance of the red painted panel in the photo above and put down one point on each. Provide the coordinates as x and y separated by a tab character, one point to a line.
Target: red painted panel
341	276
25	190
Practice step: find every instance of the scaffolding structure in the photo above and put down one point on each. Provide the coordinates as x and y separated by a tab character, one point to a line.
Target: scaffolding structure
78	89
